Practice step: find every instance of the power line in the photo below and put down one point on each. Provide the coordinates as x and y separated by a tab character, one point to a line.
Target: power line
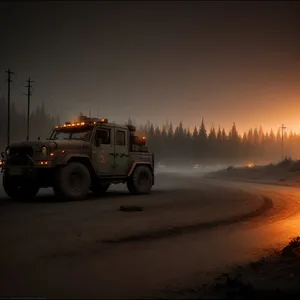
9	74
29	86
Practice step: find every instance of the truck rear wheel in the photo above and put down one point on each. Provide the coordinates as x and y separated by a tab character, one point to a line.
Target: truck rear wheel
100	188
72	182
140	181
18	188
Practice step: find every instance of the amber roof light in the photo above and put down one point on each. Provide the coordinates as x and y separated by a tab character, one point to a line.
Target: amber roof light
88	121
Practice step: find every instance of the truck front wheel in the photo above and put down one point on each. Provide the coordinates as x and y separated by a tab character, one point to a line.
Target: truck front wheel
72	182
19	188
140	181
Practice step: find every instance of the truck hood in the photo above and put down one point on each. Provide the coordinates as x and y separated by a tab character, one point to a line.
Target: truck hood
36	145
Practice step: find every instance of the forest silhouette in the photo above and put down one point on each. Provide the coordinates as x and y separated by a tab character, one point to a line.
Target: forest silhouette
173	144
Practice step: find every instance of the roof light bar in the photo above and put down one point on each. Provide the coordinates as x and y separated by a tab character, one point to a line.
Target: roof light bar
83	120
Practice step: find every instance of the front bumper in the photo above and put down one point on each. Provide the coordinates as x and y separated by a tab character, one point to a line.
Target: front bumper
24	170
42	175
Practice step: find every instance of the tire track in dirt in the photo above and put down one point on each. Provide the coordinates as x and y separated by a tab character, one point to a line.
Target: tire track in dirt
192	228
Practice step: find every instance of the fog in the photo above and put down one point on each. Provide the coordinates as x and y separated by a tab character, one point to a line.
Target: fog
191	169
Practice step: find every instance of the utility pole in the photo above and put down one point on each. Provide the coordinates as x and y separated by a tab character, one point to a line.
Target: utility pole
28	104
9	73
282	128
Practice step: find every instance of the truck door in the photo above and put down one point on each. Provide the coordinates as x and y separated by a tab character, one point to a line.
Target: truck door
103	151
121	152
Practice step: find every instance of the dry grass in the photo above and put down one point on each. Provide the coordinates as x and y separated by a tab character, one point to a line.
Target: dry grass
292	250
276	276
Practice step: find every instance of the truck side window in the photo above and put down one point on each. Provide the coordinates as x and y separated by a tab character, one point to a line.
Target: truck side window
120	138
104	135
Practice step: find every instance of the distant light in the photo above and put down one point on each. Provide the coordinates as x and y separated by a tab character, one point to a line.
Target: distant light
102	120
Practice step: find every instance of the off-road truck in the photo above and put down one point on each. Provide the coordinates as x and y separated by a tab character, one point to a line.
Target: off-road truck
87	155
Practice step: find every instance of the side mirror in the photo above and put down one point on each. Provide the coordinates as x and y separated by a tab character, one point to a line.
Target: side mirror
2	154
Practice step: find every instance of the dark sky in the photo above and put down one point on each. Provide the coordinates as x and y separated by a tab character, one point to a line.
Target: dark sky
226	61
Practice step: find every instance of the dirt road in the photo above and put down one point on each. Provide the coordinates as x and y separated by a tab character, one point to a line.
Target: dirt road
189	228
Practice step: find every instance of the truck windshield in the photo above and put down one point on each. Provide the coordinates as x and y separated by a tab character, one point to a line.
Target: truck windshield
82	135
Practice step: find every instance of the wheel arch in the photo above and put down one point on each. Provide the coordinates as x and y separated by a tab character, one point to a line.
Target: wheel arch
83	159
136	164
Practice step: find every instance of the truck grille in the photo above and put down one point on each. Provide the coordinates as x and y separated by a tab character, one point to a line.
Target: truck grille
20	156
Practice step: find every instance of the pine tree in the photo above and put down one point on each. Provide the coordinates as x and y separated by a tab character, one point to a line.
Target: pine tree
233	133
219	134
164	133
266	138
170	131
250	136
129	122
224	135
164	141
260	135
180	129
176	131
212	134
244	138
157	131
272	136
202	132
188	133
255	137
151	130
195	133
278	135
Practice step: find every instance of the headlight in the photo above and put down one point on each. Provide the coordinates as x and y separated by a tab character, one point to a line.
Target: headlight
7	151
44	150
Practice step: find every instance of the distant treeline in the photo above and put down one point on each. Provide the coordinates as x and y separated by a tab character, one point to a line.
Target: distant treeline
215	145
41	123
170	143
